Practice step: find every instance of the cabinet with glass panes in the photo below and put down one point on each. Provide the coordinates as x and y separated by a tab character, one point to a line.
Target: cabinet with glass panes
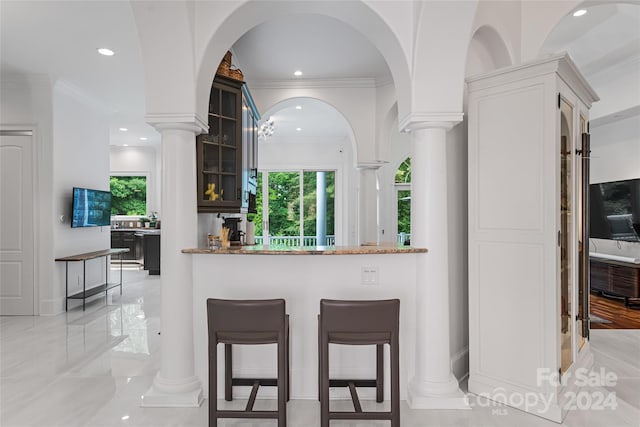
226	155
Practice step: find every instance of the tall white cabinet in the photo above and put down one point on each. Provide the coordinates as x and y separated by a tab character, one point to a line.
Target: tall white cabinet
528	273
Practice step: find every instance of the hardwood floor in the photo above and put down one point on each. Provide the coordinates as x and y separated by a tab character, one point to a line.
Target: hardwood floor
613	311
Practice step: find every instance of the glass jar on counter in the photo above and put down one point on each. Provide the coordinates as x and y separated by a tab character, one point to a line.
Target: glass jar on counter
213	241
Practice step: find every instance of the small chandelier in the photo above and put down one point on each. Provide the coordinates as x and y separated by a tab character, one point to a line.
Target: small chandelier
266	129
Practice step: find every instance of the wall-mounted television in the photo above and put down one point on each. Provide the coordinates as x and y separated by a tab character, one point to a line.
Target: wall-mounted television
615	210
91	208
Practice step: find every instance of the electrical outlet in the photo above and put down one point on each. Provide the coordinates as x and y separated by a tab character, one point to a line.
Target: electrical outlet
369	275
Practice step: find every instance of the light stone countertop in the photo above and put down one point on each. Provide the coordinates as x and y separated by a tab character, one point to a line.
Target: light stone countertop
309	250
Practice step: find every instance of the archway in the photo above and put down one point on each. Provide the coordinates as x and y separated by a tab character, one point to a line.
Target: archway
487	51
249	14
312	141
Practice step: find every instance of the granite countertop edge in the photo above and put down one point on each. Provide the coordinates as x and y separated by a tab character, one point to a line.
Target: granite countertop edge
308	250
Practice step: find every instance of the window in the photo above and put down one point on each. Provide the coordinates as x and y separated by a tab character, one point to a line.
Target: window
403	196
299	209
128	195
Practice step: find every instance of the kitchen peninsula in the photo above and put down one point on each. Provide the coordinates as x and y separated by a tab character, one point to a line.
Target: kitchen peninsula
303	276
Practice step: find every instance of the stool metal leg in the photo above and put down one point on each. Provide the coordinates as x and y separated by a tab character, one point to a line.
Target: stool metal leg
288	356
282	381
394	351
379	373
228	373
213	381
324	380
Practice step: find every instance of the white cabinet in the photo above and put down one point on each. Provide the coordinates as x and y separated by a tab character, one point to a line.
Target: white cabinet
527	274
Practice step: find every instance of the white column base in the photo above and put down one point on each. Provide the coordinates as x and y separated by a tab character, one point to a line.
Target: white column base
429	395
163	394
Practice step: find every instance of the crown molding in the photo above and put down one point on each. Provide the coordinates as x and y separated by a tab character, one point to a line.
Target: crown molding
180	121
363	83
371	164
443	120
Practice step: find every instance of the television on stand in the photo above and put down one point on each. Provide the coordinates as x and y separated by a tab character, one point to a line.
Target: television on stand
91	208
614	210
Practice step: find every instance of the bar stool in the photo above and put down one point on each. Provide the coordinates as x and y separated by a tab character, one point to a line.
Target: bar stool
248	322
360	323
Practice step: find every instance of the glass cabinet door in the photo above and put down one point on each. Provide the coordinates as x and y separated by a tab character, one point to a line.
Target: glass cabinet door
219	151
566	235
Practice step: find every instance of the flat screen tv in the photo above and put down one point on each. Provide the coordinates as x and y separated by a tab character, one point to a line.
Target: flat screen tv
91	208
614	210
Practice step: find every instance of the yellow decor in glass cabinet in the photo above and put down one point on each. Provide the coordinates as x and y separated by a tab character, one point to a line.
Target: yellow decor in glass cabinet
227	154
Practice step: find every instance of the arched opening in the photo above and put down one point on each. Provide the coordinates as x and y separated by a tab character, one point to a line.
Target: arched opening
487	51
303	166
356	16
346	65
604	43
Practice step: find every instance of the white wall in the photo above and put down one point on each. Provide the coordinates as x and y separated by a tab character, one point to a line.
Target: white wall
615	156
457	207
81	159
357	104
71	136
618	89
26	102
143	161
615	150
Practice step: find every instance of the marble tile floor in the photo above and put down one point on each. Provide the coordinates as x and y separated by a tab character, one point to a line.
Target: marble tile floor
90	369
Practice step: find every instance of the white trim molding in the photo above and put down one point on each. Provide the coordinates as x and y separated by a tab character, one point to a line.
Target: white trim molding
184	121
414	121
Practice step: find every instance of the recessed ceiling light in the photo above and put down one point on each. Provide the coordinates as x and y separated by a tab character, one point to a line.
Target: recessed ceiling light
579	12
297	73
125	145
125	418
143	138
123	129
106	52
298	129
298	107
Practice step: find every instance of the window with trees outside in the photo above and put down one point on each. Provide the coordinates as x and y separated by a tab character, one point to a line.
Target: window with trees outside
128	195
299	209
403	195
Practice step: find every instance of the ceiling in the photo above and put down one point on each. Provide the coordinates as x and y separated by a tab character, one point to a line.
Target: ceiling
60	38
606	37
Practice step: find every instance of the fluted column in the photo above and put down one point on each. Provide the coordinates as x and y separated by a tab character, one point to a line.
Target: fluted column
176	384
434	386
368	201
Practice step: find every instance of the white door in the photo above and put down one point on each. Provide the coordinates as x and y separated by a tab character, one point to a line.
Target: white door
16	223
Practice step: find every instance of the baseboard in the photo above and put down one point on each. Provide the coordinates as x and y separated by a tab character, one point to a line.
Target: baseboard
51	307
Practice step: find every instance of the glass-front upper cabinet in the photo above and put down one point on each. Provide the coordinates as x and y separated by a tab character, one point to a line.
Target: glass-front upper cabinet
219	152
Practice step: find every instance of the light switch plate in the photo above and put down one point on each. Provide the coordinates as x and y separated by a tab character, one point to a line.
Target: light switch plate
369	275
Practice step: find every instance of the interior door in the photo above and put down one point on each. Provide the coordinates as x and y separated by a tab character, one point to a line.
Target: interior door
16	223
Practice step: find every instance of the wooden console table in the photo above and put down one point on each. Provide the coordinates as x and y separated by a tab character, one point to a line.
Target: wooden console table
616	278
87	293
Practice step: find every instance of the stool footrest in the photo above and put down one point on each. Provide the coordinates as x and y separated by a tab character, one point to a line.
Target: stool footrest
269	382
360	415
244	414
357	383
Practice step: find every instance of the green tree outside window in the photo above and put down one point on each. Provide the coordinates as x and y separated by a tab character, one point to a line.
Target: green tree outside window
128	195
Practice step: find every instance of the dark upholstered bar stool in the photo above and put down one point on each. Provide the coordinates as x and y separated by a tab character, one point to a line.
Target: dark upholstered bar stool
360	323
248	322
